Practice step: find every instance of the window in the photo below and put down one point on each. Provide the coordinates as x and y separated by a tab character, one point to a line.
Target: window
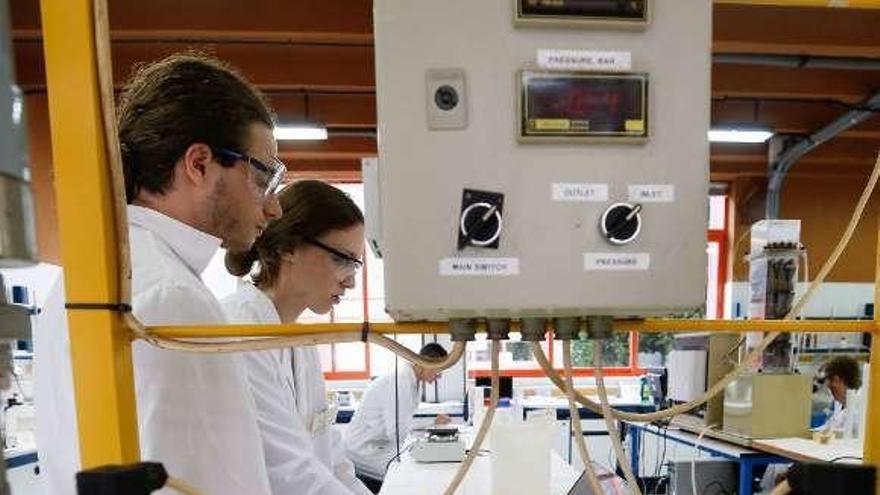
516	356
654	347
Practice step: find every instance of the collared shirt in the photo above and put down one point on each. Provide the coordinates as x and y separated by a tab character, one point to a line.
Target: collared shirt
371	438
195	413
304	453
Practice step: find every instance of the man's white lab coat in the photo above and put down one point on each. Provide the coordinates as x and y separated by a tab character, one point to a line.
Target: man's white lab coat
304	453
195	412
371	438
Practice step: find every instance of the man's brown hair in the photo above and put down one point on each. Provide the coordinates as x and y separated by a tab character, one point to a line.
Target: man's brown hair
172	103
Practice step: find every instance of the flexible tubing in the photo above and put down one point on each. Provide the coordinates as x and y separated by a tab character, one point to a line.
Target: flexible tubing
580	441
609	421
413	357
484	428
181	487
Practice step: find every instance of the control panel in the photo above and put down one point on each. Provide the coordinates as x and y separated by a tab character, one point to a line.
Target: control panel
541	158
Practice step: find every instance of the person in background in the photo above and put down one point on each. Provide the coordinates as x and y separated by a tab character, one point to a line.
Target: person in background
306	259
200	171
371	439
834	378
840	374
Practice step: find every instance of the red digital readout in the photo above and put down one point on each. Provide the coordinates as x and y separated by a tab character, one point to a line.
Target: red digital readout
598	104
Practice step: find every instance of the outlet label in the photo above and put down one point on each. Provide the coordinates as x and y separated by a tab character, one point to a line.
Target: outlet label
486	267
561	191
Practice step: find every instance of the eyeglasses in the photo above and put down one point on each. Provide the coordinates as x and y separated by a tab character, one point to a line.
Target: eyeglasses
347	263
269	176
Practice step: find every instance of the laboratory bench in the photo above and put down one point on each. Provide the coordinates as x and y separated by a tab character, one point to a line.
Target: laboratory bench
453	409
804	450
408	477
747	453
563	412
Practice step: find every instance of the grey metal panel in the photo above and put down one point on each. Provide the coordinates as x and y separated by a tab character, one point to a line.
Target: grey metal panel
424	171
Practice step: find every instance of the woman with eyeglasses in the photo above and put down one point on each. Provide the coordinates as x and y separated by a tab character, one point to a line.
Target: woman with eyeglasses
306	259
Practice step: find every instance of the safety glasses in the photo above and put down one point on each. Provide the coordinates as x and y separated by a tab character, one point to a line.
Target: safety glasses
268	176
348	264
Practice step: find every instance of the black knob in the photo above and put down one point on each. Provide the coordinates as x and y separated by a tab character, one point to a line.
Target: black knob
480	225
446	97
621	223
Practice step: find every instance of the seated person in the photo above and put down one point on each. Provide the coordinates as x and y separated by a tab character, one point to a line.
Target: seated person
839	375
835	377
371	438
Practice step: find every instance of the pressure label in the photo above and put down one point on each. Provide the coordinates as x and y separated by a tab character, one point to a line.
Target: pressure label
584	60
616	261
486	267
579	192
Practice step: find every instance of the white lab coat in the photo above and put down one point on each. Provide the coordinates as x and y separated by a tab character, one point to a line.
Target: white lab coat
304	453
371	438
836	418
195	413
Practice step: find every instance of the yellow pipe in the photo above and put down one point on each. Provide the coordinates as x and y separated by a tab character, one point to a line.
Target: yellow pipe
741	326
871	453
100	346
657	325
859	4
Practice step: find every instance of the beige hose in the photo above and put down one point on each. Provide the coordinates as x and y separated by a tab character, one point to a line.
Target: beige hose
783	488
759	350
257	344
111	148
609	421
578	432
484	428
180	486
413	357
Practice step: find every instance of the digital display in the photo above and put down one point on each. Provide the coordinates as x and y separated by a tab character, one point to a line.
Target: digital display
584	10
584	105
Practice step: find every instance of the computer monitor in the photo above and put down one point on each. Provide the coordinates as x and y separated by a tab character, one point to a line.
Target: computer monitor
505	385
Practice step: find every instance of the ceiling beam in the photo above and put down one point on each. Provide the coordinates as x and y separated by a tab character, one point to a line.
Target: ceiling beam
334	110
334	148
796	30
781	82
307	21
789	117
271	66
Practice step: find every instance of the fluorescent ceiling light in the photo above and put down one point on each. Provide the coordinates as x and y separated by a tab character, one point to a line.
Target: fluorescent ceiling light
739	135
300	133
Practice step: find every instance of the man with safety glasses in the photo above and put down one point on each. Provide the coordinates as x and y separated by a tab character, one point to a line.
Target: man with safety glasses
200	173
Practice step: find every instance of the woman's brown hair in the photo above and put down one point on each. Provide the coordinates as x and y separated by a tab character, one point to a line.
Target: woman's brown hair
310	209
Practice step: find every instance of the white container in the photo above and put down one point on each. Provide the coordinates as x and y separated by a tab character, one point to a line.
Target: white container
520	454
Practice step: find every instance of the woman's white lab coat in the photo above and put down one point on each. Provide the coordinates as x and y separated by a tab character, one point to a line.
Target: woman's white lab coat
304	453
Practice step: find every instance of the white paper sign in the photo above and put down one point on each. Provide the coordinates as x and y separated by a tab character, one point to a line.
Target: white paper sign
579	192
487	267
652	193
616	261
584	60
